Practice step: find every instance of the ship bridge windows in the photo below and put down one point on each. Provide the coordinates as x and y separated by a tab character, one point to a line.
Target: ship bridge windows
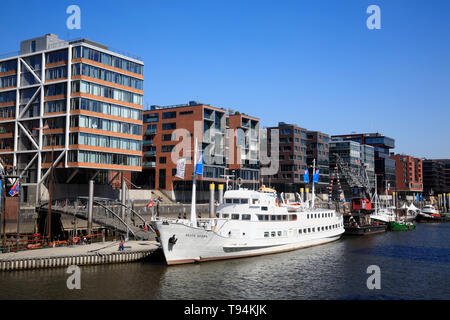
235	216
225	215
236	201
245	217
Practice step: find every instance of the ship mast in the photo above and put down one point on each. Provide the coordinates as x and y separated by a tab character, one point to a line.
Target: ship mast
313	195
194	178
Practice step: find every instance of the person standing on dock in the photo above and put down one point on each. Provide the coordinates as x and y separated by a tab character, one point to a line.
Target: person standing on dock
121	246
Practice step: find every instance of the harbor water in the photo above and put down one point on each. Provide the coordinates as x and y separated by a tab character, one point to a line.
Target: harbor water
413	264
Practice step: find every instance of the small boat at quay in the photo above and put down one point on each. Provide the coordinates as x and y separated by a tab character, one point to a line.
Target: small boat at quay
430	214
401	226
360	224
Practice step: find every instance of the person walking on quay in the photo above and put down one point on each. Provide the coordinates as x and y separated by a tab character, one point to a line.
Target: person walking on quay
121	246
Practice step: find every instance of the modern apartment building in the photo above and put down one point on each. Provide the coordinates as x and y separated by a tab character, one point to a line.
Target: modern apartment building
384	165
229	144
293	145
318	150
74	105
409	174
356	167
436	174
243	148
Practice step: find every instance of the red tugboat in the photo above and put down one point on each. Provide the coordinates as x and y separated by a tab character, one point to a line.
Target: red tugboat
358	221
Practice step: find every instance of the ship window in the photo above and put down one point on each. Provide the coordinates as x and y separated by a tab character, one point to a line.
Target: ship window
300	231
293	217
245	217
272	234
260	217
279	233
309	230
244	201
323	215
235	200
266	234
279	218
284	217
305	231
273	218
307	216
313	229
326	228
266	217
235	217
225	215
264	208
228	201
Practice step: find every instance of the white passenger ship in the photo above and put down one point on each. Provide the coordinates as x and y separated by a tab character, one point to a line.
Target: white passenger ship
248	223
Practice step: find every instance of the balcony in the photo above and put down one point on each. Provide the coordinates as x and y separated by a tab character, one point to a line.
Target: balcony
150	131
147	142
151	164
151	153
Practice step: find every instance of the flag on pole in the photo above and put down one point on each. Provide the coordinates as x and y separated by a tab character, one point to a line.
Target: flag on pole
306	176
316	176
181	168
14	189
199	167
150	204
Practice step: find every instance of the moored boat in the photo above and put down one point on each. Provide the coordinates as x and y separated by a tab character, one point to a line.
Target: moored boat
248	223
430	214
360	224
401	226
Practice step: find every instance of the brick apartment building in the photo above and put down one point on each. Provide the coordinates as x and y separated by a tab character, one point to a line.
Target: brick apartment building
229	143
409	174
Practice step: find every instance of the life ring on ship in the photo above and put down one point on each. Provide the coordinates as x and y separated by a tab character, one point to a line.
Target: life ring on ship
75	239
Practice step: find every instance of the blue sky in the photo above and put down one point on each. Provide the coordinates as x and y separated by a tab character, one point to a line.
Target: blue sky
313	63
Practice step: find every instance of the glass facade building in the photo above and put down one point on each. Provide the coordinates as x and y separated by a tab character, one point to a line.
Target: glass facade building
384	166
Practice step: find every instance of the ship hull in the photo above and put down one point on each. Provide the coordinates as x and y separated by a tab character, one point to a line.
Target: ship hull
198	245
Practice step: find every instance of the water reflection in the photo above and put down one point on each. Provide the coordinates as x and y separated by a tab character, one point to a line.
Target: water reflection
414	265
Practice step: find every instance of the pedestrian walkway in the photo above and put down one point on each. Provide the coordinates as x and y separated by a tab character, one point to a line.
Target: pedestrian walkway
96	253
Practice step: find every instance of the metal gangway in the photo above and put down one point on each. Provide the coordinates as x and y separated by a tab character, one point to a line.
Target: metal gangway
106	213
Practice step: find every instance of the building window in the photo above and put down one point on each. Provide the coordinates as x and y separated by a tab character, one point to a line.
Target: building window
169	126
162	159
167	148
169	115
